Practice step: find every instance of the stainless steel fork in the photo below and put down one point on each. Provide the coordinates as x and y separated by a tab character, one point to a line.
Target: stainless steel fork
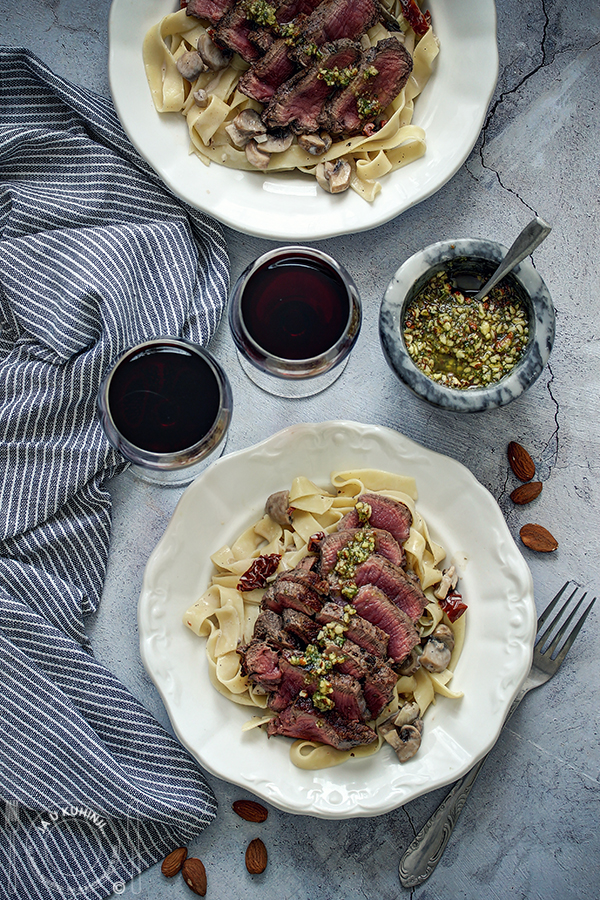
425	852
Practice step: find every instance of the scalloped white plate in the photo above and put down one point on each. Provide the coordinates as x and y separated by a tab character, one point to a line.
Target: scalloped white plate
288	206
495	580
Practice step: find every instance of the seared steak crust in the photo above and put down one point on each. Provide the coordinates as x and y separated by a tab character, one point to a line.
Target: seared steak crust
299	101
383	73
302	720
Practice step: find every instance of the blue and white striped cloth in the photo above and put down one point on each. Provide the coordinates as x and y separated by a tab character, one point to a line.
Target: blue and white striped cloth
95	255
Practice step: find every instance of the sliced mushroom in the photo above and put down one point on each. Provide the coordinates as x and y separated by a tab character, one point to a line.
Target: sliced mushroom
190	64
405	740
436	655
410	664
334	175
408	714
214	58
448	582
256	156
315	144
245	126
277	141
278	507
445	634
201	98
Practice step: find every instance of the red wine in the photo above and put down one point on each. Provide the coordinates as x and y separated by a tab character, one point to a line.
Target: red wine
164	399
295	307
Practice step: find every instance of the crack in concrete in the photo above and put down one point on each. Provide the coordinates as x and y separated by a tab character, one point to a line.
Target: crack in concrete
500	101
554	437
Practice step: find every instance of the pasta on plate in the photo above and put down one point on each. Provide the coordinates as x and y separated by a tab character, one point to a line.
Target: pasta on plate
211	102
226	616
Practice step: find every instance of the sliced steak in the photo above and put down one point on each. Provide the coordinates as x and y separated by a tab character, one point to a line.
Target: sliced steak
213	10
394	583
387	514
289	9
301	720
260	662
290	595
385	545
335	19
348	698
373	605
378	687
299	102
368	636
352	659
384	72
291	682
307	577
269	626
263	78
233	32
300	626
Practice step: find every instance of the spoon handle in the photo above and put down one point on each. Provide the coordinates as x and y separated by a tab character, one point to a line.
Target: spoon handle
531	236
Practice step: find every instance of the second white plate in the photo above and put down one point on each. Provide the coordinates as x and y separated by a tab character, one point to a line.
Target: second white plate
495	581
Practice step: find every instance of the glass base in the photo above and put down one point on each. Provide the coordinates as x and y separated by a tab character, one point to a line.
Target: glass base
176	476
291	388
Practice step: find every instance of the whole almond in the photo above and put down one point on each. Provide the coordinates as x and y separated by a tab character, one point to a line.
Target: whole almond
173	862
194	875
525	493
256	857
520	462
250	810
538	538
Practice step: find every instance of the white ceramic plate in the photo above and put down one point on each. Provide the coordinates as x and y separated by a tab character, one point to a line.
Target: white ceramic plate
291	207
495	581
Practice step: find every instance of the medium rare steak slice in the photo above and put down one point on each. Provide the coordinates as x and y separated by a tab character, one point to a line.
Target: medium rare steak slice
373	605
269	626
291	682
385	545
299	102
213	10
289	9
345	691
301	720
260	663
363	633
394	583
383	74
233	32
387	514
263	78
302	575
378	687
335	19
288	594
300	626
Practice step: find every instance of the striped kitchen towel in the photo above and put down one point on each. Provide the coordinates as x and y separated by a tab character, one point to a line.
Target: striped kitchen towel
95	255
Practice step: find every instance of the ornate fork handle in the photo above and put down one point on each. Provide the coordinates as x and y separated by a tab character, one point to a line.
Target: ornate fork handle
425	852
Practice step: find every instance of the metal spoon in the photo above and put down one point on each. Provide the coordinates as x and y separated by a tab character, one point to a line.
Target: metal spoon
530	238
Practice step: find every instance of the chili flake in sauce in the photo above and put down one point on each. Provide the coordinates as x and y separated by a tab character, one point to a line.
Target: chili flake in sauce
460	343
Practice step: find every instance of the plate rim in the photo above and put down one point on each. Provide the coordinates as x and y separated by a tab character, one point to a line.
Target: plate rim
319	805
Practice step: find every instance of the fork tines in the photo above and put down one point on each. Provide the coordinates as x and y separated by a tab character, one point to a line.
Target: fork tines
543	638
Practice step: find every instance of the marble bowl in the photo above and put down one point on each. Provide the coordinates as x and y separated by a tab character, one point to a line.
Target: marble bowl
466	256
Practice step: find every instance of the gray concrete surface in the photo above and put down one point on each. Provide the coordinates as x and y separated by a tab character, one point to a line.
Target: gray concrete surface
530	827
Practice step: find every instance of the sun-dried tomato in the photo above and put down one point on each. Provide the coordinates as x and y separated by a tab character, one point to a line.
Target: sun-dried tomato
415	18
256	576
453	606
314	542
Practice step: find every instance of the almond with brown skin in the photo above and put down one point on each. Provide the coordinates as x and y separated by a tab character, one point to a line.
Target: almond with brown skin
525	493
538	538
194	875
520	462
250	810
256	857
173	862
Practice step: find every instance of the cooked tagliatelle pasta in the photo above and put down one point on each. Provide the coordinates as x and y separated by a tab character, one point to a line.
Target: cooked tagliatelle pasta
211	102
226	615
